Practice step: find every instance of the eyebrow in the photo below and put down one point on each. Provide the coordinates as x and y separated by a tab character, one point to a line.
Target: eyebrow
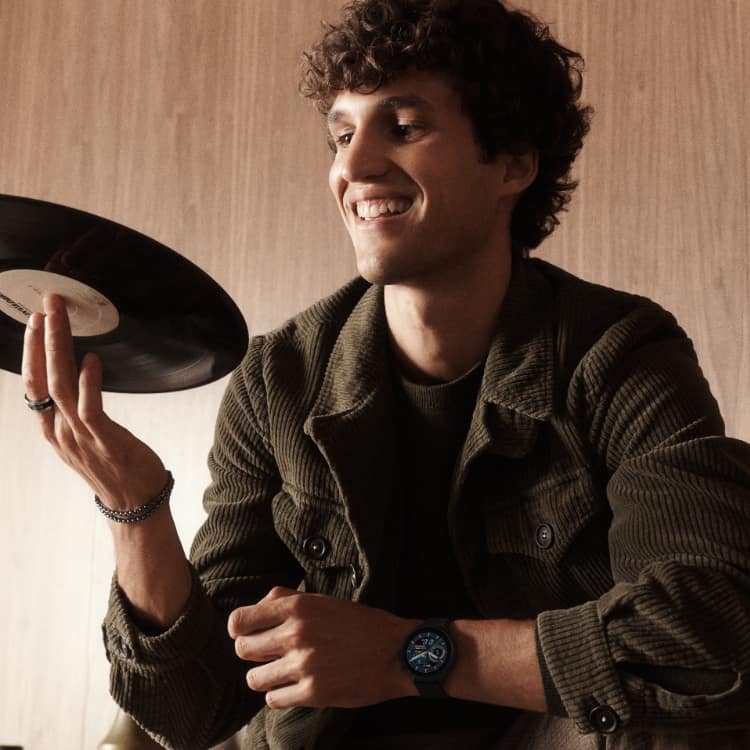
393	103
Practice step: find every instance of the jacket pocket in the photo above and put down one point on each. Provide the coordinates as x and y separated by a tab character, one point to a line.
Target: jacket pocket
544	521
316	532
546	545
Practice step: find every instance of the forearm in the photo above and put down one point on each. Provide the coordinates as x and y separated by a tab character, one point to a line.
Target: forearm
152	570
496	662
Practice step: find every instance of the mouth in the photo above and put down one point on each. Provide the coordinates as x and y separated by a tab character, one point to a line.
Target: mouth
379	209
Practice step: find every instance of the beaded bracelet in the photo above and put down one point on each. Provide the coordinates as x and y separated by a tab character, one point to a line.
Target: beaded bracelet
142	511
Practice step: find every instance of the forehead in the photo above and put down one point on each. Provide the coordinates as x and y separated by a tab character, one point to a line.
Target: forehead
422	90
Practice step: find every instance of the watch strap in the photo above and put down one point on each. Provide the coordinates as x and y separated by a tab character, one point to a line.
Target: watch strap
430	689
436	623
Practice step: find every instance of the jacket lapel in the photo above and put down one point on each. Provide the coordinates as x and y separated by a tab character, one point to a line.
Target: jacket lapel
351	423
517	388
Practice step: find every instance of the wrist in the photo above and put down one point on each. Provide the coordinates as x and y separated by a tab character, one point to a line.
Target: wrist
465	639
124	490
427	656
498	664
136	513
401	681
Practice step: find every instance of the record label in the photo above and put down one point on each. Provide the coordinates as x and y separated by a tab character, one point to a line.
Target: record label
90	312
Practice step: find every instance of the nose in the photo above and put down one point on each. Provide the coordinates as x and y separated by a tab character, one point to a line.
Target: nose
363	159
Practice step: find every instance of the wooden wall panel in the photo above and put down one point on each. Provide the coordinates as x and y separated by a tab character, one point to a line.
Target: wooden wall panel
662	209
181	120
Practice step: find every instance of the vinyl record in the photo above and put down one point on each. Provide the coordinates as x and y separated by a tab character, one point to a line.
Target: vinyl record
158	322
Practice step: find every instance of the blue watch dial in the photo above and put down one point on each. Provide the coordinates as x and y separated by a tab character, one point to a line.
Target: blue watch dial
427	652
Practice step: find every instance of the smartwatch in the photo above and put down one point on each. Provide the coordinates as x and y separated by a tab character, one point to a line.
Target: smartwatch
427	655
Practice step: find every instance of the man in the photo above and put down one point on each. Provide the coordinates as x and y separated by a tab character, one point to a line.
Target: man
465	490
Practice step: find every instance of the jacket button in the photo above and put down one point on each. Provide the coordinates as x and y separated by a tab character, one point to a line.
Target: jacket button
545	537
123	647
604	719
316	547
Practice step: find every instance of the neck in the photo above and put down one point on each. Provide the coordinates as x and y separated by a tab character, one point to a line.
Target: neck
440	330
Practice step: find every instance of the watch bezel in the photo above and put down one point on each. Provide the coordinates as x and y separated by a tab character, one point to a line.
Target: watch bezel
438	675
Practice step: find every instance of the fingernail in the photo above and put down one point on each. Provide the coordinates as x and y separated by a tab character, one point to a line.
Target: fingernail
33	322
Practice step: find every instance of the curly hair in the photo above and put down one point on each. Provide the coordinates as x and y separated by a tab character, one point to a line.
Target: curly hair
519	87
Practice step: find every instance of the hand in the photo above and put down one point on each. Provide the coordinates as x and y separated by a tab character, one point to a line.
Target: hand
120	469
320	651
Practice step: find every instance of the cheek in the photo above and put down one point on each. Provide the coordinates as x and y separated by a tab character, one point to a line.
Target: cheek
332	181
335	182
338	187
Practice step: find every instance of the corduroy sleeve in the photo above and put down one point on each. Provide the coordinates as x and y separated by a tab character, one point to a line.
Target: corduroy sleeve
669	645
186	686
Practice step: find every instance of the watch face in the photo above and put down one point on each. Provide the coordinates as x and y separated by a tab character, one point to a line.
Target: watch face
427	652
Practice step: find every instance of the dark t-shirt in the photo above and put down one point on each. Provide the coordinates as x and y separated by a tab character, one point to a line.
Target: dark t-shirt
431	423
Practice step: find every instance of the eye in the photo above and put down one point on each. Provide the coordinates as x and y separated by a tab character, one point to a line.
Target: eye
335	142
405	131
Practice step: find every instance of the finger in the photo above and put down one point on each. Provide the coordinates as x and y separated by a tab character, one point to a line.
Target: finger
273	675
34	371
62	372
279	592
90	408
297	694
255	617
33	363
264	646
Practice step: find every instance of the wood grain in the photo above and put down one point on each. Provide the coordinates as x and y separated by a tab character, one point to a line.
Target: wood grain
181	120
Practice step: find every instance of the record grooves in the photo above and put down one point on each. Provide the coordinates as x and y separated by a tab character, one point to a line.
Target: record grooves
158	322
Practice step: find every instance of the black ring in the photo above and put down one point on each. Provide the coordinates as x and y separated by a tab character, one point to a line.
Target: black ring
43	405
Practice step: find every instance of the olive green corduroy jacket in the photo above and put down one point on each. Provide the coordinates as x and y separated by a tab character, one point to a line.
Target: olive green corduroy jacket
593	421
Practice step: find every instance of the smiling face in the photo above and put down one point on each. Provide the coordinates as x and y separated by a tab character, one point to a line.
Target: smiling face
416	199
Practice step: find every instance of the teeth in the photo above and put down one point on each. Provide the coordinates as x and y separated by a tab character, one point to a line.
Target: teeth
374	208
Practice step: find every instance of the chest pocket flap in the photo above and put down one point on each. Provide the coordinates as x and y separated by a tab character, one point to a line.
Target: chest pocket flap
544	520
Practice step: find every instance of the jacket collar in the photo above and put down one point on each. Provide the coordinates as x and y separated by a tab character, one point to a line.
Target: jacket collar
358	364
518	373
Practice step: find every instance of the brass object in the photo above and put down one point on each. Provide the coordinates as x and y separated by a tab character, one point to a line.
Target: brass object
125	734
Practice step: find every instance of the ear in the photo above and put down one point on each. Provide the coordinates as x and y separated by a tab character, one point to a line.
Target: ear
520	170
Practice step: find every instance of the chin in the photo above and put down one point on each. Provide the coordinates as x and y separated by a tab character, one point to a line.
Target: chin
386	267
374	277
375	270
